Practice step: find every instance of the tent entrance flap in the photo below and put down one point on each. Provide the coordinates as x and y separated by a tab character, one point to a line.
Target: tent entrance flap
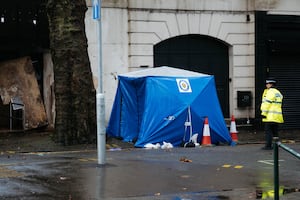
188	127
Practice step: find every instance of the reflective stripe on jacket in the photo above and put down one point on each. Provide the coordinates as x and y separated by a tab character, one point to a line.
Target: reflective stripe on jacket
271	106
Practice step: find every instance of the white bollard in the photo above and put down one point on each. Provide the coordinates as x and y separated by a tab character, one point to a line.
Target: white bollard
101	131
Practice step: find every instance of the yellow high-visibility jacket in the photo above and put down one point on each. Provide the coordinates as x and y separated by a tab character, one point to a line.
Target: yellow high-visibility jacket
271	106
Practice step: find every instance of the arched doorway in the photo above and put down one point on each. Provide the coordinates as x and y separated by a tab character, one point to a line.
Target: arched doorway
200	54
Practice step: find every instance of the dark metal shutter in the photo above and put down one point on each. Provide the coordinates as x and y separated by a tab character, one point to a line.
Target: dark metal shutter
285	66
281	37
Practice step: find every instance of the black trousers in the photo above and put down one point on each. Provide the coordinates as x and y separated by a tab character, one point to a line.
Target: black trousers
271	130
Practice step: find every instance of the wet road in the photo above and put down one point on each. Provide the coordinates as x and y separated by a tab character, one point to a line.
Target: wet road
220	172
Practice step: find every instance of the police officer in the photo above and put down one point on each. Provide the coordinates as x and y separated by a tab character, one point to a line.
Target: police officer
271	111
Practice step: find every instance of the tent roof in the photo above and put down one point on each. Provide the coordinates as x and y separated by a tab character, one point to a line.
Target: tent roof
164	71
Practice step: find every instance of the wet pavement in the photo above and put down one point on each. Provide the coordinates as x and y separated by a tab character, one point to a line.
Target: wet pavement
218	172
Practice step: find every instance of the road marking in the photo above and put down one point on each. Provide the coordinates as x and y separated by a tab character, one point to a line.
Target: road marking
10	152
226	166
112	146
11	164
268	162
238	167
57	152
235	167
83	160
41	153
185	176
8	173
87	159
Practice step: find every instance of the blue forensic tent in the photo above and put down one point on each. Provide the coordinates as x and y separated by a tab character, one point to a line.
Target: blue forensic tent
151	106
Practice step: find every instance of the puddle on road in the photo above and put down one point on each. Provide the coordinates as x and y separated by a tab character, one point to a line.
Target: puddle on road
260	194
267	194
205	195
206	198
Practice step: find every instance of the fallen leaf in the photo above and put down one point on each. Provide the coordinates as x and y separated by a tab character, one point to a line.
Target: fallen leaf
184	159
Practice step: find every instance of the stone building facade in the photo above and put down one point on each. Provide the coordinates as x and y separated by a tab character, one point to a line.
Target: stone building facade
132	28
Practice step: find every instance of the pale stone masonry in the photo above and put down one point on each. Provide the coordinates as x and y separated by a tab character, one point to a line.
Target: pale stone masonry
131	28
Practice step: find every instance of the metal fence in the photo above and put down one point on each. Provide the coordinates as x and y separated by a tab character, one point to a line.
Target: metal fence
278	144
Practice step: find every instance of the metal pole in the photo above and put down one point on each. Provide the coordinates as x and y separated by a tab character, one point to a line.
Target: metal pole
276	169
24	122
289	150
101	139
10	116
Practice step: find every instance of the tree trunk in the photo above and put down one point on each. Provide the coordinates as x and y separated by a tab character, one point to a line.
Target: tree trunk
75	120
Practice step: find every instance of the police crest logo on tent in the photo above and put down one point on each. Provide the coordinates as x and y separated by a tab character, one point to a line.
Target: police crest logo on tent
184	85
